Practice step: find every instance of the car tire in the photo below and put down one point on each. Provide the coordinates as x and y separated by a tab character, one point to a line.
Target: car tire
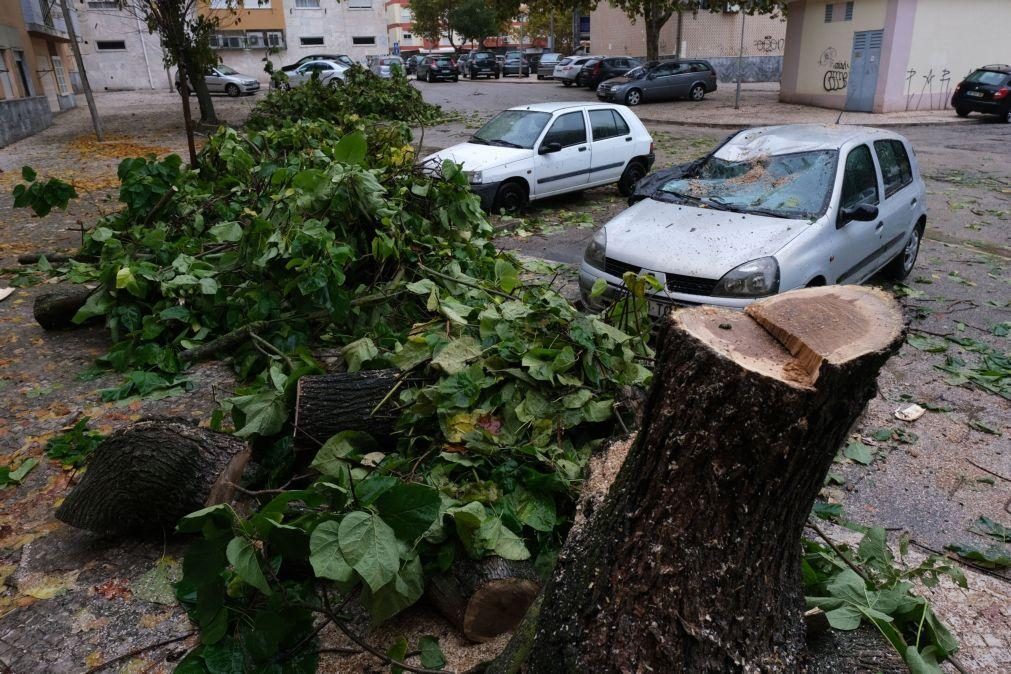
697	93
334	82
902	265
511	197
633	97
1007	116
633	173
962	112
456	78
566	83
232	90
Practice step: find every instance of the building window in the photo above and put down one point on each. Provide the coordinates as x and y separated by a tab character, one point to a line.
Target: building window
360	4
6	83
405	14
407	36
361	40
110	45
61	75
311	41
219	4
307	4
829	8
103	4
849	11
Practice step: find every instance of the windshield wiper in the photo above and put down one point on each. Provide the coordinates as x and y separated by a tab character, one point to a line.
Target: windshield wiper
747	209
705	203
504	143
478	140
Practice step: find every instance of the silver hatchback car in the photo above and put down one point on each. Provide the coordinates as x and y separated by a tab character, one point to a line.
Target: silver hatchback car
772	209
223	79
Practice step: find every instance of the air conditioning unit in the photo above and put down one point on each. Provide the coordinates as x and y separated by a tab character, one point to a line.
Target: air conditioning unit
254	41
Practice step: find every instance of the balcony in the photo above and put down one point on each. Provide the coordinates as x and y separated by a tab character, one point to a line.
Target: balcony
44	20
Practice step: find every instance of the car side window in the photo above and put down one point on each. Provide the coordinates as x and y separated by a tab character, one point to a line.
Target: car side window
620	124
602	124
664	70
860	179
891	171
905	167
568	129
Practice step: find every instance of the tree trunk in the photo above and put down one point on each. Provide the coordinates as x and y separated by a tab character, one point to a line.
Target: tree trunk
150	474
485	598
692	563
184	93
327	404
207	113
55	309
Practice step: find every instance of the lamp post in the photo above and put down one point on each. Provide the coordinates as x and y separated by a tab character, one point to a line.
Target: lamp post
523	8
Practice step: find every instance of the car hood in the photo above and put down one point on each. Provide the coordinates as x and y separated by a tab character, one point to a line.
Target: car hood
691	241
476	157
618	81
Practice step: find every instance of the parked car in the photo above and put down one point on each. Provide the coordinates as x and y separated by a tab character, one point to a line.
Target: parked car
438	67
222	79
515	64
535	151
546	66
986	90
481	64
343	59
327	72
660	81
597	70
411	64
568	68
384	66
772	209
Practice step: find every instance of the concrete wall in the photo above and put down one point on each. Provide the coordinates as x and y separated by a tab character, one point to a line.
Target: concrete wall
337	23
139	66
23	117
715	36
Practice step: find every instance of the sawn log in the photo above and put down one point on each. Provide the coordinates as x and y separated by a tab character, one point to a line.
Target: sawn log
326	404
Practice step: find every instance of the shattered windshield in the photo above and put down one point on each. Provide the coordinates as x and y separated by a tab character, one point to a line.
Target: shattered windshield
795	185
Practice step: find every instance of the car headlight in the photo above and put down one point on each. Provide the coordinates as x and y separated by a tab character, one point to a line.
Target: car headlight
752	279
475	177
595	252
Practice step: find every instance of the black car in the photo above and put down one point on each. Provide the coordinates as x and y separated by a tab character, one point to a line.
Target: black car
986	90
439	67
482	64
596	71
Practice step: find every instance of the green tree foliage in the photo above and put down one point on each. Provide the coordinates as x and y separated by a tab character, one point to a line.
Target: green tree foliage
475	20
470	19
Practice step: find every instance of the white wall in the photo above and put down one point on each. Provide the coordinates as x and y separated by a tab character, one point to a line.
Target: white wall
139	66
337	23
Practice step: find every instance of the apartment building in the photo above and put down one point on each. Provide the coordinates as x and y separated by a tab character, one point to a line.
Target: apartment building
714	36
357	28
119	51
37	71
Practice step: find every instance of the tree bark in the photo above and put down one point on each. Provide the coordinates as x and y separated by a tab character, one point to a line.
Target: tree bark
327	404
55	309
150	474
692	563
484	598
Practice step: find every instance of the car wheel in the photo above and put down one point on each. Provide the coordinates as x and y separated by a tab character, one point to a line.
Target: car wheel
1007	116
456	78
962	112
567	83
633	173
633	97
511	197
540	77
697	93
900	267
232	90
334	82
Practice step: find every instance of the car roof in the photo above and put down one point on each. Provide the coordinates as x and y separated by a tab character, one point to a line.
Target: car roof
997	67
791	138
555	107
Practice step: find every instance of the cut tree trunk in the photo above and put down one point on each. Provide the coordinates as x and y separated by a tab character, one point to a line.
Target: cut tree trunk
485	598
327	404
150	474
692	562
55	309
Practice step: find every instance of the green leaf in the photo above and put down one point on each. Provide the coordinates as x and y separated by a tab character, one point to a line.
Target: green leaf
599	286
431	653
226	231
220	515
994	557
332	458
204	561
351	149
928	344
827	511
403	591
242	556
859	452
28	173
359	352
370	546
844	618
500	539
983	427
263	413
325	555
506	275
988	527
409	509
22	471
398	653
456	354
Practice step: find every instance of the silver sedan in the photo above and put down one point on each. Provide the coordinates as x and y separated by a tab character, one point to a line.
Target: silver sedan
772	209
328	72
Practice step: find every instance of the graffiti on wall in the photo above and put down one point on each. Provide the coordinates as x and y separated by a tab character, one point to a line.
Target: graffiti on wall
837	73
828	57
934	89
770	45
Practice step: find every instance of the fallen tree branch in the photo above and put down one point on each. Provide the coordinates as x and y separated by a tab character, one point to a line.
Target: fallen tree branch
987	470
836	550
975	567
138	651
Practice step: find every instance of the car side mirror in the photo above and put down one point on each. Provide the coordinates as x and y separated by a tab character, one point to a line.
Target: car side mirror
548	148
861	213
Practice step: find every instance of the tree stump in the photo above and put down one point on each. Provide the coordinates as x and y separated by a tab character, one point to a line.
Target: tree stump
484	598
692	563
148	475
327	404
55	309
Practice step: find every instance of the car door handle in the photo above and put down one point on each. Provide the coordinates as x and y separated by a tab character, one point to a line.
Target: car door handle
582	149
913	202
628	139
878	227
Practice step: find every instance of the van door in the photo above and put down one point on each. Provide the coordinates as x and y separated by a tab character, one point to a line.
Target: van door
568	168
612	141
